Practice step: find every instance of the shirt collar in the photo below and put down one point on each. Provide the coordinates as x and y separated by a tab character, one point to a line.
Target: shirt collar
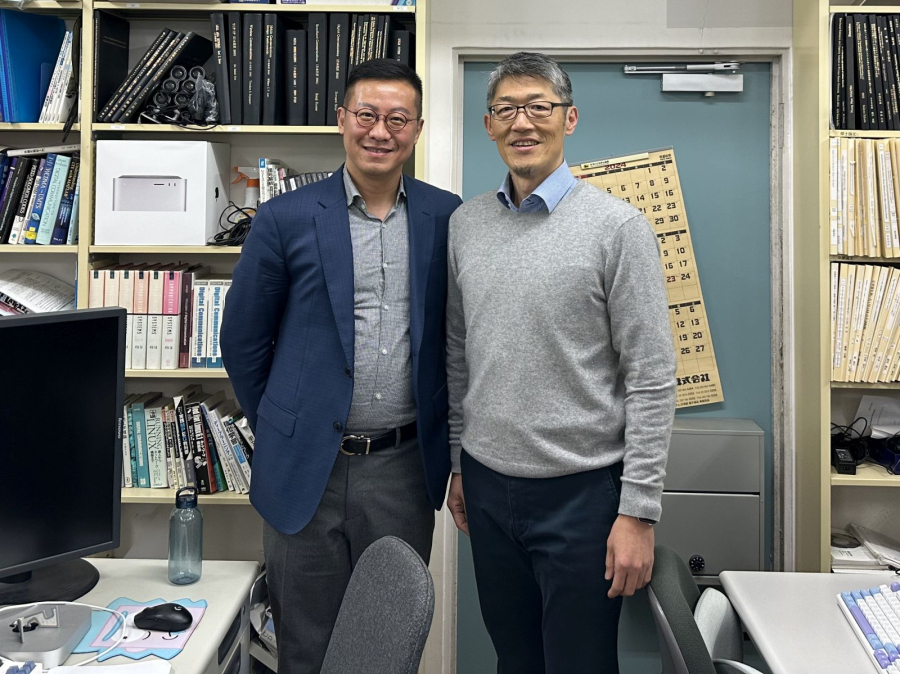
352	193
547	195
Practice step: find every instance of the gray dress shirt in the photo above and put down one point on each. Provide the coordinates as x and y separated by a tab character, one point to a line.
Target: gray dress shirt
382	368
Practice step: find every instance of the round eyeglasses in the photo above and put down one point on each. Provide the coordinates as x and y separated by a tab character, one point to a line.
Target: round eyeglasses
393	120
504	112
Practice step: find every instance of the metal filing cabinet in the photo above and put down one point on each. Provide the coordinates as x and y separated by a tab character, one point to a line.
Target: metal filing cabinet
713	507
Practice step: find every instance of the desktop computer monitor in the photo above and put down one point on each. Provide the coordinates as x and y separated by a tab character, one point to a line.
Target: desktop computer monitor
61	397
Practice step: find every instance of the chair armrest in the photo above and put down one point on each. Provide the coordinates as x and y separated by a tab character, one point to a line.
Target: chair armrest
732	667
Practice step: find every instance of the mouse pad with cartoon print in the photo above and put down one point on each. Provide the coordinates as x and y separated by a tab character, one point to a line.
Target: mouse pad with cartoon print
138	643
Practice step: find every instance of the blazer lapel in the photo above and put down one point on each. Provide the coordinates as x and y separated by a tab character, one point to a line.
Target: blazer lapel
336	251
421	243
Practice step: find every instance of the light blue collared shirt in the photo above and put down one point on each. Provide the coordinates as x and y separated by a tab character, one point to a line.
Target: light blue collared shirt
547	195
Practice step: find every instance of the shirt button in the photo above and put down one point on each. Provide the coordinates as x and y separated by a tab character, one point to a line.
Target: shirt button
338	426
385	307
384	351
385	265
377	396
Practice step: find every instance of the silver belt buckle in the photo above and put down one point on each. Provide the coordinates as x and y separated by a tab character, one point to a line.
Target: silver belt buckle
355	437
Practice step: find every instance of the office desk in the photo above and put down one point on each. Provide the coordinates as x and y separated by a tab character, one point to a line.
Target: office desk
794	620
224	585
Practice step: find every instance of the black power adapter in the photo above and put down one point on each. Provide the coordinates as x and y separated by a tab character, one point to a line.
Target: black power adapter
843	461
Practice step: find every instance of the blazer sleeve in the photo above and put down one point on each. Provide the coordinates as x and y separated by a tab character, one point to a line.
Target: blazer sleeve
253	311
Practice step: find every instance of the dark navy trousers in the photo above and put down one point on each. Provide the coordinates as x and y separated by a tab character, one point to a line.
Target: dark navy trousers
539	548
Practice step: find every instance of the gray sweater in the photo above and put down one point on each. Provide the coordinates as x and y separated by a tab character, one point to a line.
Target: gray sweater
559	352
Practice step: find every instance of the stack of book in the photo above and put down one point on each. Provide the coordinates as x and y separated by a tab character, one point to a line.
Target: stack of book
192	439
861	550
29	49
62	90
40	195
865	323
274	70
864	194
277	178
174	312
170	48
865	71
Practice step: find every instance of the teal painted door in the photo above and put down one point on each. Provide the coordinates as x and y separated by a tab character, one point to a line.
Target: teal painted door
722	147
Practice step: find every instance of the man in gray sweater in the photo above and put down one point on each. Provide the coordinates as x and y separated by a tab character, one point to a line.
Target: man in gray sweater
561	378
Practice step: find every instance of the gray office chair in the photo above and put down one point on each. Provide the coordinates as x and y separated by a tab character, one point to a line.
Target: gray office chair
385	615
713	647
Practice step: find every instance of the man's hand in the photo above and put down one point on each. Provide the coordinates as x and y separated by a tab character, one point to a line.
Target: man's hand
629	555
456	503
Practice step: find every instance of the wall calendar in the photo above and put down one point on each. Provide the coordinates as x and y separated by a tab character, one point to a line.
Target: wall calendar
649	182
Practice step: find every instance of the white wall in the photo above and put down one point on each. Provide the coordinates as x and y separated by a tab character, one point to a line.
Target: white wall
574	29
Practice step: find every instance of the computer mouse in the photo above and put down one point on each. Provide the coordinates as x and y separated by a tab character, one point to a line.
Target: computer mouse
164	618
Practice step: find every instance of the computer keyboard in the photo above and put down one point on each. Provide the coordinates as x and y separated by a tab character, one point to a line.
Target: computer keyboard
874	615
29	667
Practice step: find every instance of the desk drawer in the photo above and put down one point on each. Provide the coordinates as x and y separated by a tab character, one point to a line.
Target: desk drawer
721	528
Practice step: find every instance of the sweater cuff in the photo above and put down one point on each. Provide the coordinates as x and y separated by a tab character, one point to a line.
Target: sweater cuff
639	500
455	452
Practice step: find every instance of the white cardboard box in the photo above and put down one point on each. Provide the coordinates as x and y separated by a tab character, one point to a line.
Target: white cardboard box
159	192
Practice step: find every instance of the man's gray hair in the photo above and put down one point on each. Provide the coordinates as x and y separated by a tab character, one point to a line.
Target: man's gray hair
531	64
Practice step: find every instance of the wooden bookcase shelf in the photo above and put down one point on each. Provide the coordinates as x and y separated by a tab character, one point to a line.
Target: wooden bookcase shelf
814	477
182	373
167	497
320	143
7	249
230	128
867	475
168	250
17	126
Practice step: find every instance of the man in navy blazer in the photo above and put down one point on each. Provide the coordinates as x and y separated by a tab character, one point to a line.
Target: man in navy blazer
334	339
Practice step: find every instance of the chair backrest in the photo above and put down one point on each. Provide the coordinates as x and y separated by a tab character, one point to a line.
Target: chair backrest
673	595
385	615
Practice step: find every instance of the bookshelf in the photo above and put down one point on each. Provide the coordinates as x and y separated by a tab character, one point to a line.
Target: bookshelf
323	143
818	398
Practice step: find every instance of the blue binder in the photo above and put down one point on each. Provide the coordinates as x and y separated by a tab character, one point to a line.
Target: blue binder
27	43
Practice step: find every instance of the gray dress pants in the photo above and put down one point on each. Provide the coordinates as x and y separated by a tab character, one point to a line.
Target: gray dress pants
367	497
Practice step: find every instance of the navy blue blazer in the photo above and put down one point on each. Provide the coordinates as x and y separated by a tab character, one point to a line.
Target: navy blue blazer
288	336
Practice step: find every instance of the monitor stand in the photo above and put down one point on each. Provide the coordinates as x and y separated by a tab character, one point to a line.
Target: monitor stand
66	581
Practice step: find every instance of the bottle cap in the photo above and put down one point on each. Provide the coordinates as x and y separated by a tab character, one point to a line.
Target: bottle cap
186	498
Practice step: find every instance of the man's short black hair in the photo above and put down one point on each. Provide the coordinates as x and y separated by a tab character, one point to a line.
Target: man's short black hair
386	69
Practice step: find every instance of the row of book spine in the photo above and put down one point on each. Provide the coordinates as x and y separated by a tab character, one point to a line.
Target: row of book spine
865	85
865	330
276	178
864	193
193	439
62	90
170	48
271	71
174	313
40	197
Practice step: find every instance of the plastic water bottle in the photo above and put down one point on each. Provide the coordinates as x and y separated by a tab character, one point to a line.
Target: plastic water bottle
185	539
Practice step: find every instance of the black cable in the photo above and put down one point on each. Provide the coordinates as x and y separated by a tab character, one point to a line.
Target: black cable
239	220
844	437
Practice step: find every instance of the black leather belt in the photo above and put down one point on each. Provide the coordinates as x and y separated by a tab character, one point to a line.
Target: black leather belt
358	445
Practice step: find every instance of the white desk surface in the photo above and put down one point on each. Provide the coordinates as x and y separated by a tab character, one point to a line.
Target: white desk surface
794	619
224	585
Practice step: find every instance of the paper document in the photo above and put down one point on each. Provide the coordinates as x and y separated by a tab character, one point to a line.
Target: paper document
878	411
885	550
